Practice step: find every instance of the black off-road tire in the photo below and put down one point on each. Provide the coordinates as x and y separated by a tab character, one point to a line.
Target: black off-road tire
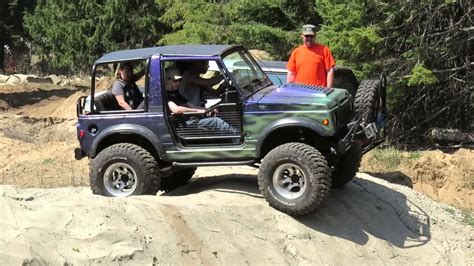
127	161
347	166
368	100
313	171
177	179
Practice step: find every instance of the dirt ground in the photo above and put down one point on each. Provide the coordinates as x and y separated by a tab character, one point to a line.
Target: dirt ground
445	177
37	138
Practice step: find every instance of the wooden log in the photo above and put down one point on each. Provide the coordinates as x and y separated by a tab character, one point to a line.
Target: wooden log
451	135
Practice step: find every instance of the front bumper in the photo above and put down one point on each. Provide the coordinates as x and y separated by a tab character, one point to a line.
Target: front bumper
366	135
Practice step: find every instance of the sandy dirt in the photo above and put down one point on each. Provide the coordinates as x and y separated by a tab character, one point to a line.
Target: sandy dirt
219	218
446	177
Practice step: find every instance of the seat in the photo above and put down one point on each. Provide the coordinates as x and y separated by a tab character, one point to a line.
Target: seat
106	102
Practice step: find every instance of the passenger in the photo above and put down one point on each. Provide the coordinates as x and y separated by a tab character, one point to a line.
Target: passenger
126	91
193	85
178	105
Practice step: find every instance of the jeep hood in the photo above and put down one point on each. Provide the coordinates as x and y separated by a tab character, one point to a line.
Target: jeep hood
294	96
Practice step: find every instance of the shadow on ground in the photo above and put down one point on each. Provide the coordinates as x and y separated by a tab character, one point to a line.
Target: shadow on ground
365	208
233	183
395	177
360	210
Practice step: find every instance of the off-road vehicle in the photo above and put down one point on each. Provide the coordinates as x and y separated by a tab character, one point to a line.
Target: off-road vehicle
304	139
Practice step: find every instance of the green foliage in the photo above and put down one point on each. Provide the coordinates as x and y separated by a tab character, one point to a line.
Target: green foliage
11	26
194	22
450	210
78	33
468	217
414	155
246	22
421	76
391	158
48	161
350	37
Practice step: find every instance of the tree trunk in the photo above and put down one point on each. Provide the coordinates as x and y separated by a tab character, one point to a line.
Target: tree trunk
451	135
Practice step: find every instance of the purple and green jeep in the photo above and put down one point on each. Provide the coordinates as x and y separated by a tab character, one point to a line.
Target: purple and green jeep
304	139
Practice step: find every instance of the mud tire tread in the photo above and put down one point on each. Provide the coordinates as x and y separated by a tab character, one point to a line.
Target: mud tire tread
316	168
149	180
366	99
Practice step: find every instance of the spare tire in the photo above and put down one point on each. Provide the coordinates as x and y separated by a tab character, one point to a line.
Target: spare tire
368	100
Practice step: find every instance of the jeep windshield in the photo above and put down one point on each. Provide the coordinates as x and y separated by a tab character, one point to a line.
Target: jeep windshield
245	72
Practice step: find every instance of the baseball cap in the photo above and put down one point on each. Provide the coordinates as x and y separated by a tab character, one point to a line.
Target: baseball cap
173	74
308	29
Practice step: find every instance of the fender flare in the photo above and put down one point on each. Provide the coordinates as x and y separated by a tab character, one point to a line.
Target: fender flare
132	129
288	122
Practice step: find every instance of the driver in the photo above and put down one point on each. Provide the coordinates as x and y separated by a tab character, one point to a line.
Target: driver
193	85
178	105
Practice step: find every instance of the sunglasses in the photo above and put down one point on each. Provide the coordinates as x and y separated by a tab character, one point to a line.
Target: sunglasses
309	36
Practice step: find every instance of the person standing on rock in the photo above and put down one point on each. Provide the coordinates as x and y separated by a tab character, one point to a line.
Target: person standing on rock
311	63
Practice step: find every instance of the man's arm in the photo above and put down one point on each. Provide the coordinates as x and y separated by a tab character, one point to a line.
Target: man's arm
290	77
121	101
117	90
192	106
330	77
177	109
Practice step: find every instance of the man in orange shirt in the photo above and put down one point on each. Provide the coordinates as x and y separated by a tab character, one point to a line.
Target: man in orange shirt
311	63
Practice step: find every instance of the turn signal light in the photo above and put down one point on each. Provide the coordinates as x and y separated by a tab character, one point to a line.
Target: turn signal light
326	122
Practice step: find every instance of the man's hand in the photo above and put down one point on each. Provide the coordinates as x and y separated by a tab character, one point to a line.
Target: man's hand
290	77
212	112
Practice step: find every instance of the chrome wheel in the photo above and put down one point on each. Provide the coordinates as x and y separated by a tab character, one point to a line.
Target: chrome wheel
289	181
120	180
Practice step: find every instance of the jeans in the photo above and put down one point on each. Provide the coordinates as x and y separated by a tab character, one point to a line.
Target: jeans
212	123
